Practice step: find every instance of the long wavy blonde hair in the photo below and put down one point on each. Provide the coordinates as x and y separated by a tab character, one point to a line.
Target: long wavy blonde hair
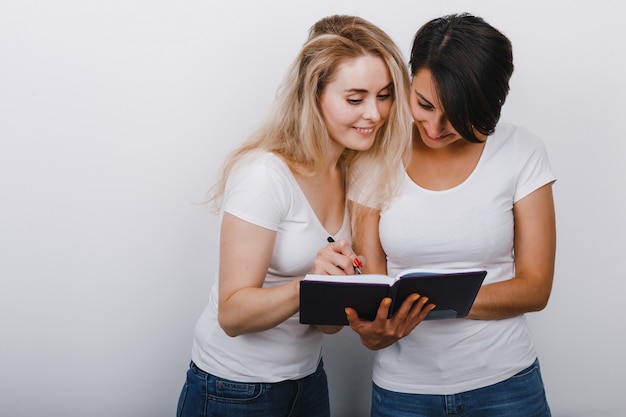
295	129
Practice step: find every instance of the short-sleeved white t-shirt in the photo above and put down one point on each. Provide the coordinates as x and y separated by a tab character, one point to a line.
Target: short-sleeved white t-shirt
470	225
264	192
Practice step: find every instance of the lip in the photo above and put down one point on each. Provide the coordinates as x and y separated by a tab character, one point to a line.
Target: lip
437	138
365	130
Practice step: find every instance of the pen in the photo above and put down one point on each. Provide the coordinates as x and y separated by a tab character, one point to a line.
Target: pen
356	263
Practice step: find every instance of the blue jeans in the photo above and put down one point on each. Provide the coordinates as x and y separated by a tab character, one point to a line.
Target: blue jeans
522	395
205	395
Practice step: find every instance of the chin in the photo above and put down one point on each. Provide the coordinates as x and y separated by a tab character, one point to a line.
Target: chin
364	146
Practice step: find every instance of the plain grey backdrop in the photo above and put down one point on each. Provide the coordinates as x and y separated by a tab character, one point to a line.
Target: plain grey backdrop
114	119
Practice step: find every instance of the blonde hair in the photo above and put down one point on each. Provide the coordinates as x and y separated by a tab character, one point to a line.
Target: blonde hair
295	129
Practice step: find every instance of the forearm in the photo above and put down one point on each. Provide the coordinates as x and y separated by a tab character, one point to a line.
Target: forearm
254	309
511	298
534	248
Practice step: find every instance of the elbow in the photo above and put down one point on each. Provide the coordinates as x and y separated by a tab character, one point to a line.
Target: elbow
537	307
538	295
327	329
540	303
230	328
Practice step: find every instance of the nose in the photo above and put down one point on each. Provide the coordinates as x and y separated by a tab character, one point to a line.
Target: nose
371	111
437	124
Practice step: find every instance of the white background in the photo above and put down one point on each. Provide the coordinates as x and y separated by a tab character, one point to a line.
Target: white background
114	118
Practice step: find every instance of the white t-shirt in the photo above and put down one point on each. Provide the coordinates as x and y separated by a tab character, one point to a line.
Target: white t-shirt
265	193
470	225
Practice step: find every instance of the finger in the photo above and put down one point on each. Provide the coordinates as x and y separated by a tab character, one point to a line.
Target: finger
343	246
425	310
330	262
357	265
351	316
353	319
420	305
350	262
407	305
383	310
327	268
418	314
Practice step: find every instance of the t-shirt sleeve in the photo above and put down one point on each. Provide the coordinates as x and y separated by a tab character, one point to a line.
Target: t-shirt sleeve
258	193
535	170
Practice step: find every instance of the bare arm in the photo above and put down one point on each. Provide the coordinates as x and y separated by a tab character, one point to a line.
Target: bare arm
245	254
367	243
244	306
535	248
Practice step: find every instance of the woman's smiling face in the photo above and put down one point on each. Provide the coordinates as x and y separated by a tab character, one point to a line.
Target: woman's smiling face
428	113
357	101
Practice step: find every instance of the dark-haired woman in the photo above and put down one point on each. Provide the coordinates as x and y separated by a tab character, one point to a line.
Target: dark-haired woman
476	193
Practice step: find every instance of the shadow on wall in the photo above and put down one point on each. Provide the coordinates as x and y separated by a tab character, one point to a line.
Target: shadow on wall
348	365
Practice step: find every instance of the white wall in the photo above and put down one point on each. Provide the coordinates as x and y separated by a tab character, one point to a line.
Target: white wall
114	117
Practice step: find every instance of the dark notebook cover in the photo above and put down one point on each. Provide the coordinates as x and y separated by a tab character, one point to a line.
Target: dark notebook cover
323	298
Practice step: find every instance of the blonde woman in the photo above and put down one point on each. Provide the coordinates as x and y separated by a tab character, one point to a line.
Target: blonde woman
282	194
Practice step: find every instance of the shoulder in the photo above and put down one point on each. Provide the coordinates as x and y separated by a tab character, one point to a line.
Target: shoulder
261	160
514	132
260	190
261	176
260	167
508	134
526	158
517	142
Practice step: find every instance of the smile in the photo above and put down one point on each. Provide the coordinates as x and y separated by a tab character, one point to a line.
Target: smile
437	138
365	131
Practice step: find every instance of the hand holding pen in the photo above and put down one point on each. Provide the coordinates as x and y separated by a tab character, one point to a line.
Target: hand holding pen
356	262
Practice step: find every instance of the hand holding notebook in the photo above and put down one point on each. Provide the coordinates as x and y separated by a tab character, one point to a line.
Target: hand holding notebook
323	298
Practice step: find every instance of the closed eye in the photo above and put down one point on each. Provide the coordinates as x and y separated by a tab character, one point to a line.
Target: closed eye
386	92
425	106
423	103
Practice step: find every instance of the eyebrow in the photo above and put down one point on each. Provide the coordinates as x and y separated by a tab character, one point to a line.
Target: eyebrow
362	90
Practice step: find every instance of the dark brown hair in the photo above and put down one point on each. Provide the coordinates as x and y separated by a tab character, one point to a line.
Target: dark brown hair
471	63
